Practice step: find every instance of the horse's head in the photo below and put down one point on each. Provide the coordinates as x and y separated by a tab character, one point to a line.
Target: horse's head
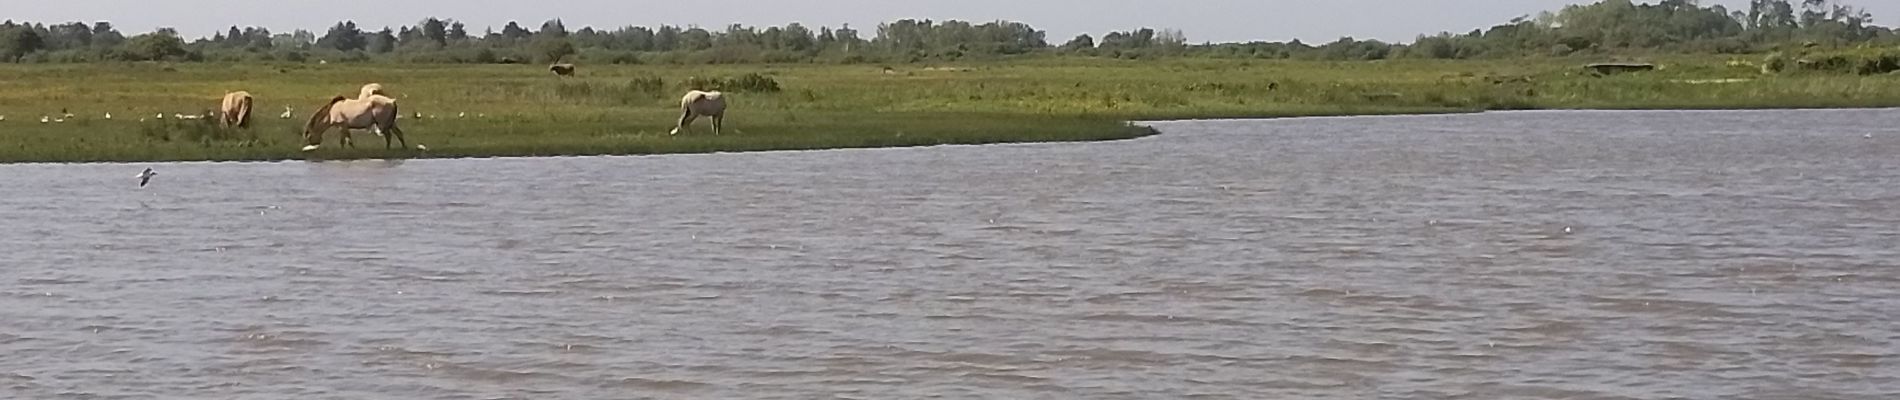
317	120
373	88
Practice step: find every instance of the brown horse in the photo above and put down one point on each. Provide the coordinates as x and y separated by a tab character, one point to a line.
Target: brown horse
562	69
697	104
373	111
236	110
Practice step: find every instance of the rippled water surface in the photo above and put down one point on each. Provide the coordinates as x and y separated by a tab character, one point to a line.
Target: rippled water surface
1585	255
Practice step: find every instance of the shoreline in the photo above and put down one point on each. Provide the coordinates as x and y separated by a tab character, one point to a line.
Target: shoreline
628	110
1136	129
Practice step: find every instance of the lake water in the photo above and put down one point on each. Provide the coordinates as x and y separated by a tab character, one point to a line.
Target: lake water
1576	255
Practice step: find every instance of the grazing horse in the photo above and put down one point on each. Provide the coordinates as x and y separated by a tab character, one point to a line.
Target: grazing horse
236	109
372	111
697	104
562	69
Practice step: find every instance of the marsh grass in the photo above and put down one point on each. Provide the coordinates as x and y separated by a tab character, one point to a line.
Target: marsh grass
487	111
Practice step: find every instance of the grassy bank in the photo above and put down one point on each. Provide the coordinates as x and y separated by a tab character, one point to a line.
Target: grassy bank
524	111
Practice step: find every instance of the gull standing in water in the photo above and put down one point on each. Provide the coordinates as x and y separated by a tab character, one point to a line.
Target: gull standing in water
146	177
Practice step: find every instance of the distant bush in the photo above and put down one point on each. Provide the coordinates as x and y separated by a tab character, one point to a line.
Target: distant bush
752	82
1775	63
1858	62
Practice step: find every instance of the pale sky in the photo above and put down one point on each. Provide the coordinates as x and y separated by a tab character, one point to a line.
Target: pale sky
1202	20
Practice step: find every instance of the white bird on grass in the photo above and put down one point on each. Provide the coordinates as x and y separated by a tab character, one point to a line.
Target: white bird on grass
45	119
286	114
108	115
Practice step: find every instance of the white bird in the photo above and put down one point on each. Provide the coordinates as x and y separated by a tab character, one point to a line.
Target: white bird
462	115
286	114
108	115
45	119
146	177
3	118
68	115
60	120
161	115
418	115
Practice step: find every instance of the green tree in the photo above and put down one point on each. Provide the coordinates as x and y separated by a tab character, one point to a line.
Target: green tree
18	41
552	49
435	31
344	37
1079	43
156	46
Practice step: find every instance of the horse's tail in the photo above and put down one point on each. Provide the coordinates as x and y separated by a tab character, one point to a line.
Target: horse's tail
321	113
244	112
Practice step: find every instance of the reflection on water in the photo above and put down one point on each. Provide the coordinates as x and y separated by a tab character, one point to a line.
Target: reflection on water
1511	255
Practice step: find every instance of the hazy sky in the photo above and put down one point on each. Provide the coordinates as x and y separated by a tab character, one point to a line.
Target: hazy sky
1203	20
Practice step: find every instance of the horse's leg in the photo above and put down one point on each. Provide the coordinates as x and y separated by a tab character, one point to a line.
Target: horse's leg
718	122
686	119
346	142
397	131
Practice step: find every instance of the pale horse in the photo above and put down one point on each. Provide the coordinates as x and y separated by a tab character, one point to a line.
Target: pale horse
236	110
697	104
371	110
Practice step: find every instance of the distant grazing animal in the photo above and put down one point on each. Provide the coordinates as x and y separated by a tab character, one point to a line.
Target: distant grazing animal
697	104
372	111
236	110
562	69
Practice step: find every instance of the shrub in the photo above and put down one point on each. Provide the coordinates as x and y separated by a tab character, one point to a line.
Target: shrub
1775	63
752	82
1858	62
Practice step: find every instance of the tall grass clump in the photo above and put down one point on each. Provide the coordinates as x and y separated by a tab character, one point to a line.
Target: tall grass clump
633	91
204	132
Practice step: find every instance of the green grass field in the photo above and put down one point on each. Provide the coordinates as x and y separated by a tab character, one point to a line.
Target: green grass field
525	111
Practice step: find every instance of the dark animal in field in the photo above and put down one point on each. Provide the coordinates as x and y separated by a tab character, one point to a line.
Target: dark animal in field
562	69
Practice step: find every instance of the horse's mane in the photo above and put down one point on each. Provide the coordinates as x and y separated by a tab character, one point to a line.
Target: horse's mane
321	112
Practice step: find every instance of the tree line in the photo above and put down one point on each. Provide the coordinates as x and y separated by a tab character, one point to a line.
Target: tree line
1609	26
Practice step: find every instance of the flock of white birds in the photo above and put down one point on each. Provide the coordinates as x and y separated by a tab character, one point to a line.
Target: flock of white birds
288	114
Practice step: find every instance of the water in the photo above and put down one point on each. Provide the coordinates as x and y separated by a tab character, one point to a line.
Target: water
1578	255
